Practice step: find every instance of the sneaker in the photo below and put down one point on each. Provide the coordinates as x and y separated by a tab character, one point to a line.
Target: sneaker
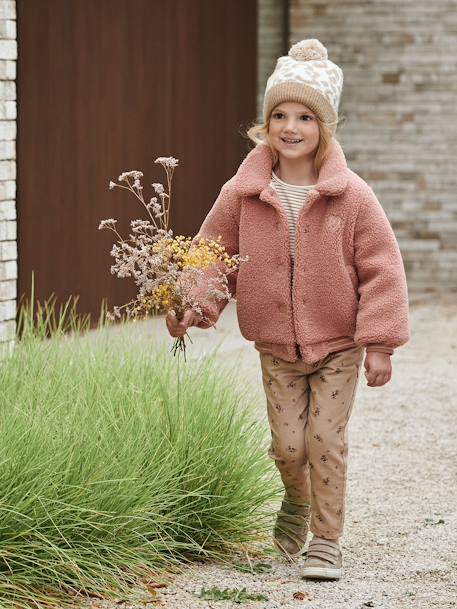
291	528
323	559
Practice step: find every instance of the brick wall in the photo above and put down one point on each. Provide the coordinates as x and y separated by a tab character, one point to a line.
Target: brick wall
8	247
269	43
400	129
400	117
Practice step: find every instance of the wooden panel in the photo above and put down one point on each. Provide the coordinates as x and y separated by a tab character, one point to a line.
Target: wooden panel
107	87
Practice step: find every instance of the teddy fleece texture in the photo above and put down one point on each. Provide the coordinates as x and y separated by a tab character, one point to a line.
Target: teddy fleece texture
348	284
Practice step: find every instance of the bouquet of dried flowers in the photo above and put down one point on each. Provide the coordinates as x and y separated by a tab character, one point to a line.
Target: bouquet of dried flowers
166	269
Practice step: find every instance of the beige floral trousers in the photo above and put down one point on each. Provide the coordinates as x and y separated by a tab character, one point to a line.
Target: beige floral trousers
308	408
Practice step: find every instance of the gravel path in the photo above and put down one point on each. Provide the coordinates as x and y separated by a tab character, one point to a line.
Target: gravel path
400	541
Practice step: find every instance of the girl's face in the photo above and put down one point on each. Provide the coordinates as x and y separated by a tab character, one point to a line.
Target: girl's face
294	121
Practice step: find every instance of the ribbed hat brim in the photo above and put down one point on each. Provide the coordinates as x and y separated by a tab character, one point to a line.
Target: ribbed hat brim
303	94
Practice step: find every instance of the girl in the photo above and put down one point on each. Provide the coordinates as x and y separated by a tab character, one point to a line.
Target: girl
324	284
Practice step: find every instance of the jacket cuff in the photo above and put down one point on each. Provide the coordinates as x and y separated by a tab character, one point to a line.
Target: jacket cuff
379	348
211	311
204	325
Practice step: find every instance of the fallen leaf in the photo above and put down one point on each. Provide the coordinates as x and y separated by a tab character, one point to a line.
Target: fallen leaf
156	585
302	596
152	591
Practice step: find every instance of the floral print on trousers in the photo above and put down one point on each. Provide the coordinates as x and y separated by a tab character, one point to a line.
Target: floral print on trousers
308	408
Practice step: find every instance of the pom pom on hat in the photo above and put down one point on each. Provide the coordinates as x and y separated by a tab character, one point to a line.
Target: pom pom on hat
307	50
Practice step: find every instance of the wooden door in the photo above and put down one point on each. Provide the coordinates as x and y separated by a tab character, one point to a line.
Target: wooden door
109	86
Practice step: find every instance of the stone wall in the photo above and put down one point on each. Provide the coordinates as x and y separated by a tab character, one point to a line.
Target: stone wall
400	128
8	245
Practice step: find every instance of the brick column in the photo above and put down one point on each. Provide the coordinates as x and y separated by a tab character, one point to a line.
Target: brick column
270	32
8	244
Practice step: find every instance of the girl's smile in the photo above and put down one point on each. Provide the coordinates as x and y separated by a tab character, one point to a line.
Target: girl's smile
290	141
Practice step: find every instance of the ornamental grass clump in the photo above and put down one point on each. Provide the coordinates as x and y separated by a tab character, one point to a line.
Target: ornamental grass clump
110	479
167	269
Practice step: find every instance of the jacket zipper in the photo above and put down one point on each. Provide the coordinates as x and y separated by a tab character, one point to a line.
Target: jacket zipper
292	266
301	212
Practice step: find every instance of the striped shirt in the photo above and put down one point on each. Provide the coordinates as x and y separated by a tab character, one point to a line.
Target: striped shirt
293	198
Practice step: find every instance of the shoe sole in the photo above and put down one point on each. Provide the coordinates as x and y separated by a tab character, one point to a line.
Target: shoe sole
321	573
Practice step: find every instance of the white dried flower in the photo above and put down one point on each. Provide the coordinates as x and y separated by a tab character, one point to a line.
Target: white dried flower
158	188
112	185
140	224
130	174
107	223
167	161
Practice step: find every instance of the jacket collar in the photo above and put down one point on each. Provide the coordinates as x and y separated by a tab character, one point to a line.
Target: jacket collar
254	173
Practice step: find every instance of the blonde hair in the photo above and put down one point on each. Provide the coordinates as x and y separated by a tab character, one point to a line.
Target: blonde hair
258	133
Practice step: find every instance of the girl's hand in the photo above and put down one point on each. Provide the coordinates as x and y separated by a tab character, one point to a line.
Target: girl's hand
179	328
378	368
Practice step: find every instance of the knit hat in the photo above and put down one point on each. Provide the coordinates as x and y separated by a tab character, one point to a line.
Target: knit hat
306	76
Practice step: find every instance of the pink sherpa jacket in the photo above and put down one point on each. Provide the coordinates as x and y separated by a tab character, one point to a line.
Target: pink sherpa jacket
347	286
